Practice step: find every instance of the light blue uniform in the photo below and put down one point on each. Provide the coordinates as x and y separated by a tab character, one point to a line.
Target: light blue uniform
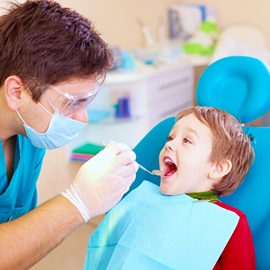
20	195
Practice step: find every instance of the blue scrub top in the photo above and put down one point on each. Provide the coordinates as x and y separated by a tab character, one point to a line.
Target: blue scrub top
20	195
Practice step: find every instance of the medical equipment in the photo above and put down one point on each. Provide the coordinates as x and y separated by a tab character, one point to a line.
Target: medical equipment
61	131
239	85
154	172
242	39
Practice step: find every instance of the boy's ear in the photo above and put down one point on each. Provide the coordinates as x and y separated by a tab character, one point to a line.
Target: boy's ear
13	90
220	169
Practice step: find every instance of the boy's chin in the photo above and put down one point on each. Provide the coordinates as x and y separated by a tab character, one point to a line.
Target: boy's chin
166	191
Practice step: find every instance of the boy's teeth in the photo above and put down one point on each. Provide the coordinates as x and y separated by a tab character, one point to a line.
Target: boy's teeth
168	161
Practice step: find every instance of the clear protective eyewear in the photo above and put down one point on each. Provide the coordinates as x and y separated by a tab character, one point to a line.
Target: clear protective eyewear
68	104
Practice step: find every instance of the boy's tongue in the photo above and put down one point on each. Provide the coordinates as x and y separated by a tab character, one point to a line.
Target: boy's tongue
170	168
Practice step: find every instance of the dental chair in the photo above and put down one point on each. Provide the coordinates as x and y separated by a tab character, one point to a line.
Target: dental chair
239	85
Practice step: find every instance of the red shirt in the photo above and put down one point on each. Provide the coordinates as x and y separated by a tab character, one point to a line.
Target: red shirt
239	252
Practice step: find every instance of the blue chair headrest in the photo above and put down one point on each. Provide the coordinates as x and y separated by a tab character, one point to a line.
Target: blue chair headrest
239	85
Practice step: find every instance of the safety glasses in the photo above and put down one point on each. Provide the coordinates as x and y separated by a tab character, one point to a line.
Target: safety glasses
67	104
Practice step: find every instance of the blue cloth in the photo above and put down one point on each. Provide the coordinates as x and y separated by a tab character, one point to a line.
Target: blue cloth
148	230
20	196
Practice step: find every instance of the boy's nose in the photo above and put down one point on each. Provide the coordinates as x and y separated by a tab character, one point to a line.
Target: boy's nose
170	145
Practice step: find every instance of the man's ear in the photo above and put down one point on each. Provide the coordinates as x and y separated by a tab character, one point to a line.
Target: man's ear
220	169
13	88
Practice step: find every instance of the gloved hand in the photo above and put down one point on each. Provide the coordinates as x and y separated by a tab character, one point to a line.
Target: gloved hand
102	181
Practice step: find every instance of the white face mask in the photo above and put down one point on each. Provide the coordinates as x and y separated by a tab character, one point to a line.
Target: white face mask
61	131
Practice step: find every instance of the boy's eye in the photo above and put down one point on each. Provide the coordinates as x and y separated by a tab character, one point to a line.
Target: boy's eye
170	138
185	140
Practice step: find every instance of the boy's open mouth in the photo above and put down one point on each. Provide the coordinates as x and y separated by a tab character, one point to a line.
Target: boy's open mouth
169	168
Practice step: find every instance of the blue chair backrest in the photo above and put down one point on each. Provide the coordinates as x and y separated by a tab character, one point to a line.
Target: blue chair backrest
241	86
253	196
237	84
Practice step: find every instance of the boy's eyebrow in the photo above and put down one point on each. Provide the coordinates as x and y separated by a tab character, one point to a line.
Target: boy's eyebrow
192	131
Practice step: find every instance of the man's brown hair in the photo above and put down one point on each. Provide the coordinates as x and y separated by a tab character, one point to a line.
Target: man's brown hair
43	41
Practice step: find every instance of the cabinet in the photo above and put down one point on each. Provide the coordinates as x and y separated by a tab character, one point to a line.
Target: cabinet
152	95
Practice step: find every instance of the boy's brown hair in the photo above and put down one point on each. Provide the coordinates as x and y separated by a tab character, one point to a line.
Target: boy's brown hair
229	142
48	43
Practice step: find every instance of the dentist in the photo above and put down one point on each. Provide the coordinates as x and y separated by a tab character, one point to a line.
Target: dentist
51	64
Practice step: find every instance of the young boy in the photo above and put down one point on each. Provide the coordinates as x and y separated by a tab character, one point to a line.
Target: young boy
207	155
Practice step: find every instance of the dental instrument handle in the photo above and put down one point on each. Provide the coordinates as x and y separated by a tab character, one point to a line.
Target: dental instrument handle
143	168
154	172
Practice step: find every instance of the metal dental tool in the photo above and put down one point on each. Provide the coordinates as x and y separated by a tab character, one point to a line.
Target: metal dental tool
154	172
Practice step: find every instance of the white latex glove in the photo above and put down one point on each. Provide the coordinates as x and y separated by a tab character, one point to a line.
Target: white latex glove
102	181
